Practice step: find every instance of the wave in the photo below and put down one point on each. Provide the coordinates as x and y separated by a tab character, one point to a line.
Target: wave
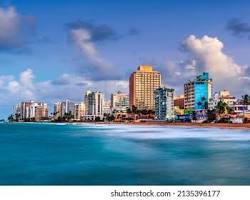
156	132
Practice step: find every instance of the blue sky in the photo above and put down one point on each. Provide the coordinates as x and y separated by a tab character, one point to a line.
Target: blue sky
53	50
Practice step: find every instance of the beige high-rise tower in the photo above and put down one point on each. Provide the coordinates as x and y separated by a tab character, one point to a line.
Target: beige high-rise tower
142	84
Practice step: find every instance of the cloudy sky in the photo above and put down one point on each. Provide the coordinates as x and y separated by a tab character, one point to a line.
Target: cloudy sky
55	50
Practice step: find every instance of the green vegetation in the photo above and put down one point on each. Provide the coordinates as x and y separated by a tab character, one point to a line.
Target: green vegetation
211	115
66	118
246	99
222	108
188	111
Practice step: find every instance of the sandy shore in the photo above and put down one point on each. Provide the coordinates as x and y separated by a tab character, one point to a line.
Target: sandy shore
200	125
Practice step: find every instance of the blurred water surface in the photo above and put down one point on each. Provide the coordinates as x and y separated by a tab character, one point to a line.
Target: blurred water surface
68	154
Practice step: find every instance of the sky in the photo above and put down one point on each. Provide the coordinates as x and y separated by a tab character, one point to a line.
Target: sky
56	50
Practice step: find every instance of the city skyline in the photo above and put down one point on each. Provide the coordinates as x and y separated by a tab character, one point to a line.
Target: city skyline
198	102
58	54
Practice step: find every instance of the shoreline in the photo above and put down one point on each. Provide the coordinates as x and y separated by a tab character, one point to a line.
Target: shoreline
176	124
245	126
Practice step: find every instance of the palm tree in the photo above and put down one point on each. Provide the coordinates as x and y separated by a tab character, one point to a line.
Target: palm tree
151	114
246	99
68	116
134	109
144	112
11	118
211	115
17	117
221	108
129	111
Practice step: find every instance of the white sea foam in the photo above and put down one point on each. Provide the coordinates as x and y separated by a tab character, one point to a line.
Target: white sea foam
159	132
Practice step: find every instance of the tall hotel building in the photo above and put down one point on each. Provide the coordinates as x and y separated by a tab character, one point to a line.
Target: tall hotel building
94	102
79	111
142	84
31	110
198	92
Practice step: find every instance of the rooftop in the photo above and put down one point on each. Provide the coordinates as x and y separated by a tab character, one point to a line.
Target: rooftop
145	68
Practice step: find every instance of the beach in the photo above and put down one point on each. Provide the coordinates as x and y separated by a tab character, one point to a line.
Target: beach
179	124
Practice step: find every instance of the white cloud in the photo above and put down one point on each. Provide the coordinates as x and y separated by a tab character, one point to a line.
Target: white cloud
73	86
209	56
67	86
82	39
23	87
26	77
208	51
13	87
4	79
9	24
16	30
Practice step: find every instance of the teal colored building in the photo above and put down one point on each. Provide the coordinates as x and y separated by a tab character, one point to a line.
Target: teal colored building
198	92
202	91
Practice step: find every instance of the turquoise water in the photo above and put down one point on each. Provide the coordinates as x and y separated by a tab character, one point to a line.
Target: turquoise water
53	154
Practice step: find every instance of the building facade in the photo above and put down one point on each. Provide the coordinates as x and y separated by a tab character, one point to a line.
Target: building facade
179	105
79	111
226	97
198	92
67	107
94	102
142	84
164	104
31	110
179	101
61	109
119	102
57	110
223	96
107	107
39	111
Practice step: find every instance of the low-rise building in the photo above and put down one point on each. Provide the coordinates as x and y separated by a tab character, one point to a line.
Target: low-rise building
223	96
179	105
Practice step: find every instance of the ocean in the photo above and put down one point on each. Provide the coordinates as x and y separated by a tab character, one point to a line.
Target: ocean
89	154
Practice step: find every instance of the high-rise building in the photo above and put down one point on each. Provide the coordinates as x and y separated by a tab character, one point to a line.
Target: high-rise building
164	104
79	111
142	84
119	101
38	111
64	108
107	107
57	110
198	92
25	110
31	110
94	105
67	107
